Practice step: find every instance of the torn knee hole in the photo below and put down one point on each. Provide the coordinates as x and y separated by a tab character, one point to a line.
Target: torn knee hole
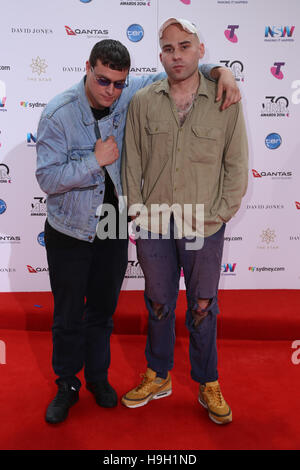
158	310
201	312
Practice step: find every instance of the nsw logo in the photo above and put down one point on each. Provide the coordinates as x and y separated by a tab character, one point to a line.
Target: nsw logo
230	33
273	141
135	32
228	269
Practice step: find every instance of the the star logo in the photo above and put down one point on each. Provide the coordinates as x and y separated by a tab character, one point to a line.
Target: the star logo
38	66
268	236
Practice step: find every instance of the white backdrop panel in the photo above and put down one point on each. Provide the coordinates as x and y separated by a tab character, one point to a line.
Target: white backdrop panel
44	49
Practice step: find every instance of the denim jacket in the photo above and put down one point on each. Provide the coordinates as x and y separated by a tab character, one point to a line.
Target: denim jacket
67	169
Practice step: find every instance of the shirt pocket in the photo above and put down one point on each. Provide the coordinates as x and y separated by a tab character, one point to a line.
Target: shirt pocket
158	140
205	144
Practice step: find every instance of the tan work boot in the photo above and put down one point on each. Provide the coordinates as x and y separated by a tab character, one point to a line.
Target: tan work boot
210	396
151	388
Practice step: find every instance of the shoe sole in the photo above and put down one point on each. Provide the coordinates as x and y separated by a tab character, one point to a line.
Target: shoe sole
157	396
226	420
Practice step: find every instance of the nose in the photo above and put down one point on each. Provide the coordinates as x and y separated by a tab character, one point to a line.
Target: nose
176	54
110	89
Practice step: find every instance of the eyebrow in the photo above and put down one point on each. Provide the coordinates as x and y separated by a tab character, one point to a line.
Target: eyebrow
182	43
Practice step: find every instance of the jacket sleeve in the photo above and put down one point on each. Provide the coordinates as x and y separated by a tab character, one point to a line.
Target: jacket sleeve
59	171
235	164
132	173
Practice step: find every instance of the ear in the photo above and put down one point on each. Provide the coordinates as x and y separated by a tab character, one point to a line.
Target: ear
88	66
160	56
201	50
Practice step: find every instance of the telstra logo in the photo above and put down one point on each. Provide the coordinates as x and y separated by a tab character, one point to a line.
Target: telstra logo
276	71
230	32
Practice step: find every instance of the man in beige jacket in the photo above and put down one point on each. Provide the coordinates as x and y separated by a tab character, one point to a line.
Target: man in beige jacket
181	151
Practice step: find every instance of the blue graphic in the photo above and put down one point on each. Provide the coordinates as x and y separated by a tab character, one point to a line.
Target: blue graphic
41	238
85	1
31	137
273	141
2	206
135	32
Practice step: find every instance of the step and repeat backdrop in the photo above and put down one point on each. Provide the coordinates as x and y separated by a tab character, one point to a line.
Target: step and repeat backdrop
44	47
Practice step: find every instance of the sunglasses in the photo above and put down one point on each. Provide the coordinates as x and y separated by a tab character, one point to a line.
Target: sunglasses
102	81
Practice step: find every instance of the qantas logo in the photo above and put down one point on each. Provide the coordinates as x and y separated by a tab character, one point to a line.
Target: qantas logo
273	174
92	32
70	31
36	270
297	205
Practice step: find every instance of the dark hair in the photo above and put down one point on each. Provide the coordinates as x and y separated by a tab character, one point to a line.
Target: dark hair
111	53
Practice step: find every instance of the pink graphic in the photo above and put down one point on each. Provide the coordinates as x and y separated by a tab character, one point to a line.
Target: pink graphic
256	174
276	72
31	269
186	2
69	31
297	204
230	34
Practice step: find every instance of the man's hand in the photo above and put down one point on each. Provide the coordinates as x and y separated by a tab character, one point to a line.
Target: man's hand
227	87
106	152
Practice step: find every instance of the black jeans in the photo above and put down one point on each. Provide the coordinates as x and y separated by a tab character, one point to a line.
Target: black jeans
86	280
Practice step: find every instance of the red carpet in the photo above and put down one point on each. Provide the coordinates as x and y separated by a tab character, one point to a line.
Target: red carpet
257	376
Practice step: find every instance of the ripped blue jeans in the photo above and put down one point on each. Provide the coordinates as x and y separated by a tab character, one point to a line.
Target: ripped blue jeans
161	261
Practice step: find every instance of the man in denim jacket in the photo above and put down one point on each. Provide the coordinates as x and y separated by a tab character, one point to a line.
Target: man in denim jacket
79	143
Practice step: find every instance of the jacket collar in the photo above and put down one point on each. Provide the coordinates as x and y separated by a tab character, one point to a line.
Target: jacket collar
84	105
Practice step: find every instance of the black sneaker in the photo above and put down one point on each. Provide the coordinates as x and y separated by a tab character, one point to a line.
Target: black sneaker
58	409
103	392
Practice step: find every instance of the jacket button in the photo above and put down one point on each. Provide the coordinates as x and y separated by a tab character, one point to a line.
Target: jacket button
90	237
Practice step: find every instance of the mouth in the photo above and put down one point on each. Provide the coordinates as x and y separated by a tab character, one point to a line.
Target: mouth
177	67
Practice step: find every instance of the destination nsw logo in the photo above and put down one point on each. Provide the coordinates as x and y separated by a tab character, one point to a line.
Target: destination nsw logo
279	33
228	269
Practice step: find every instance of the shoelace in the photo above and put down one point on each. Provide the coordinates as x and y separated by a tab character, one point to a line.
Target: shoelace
215	394
62	397
145	382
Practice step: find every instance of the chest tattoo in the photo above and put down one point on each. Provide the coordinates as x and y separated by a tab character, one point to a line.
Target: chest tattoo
184	107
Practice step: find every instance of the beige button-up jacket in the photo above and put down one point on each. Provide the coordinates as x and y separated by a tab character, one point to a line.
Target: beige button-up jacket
203	162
